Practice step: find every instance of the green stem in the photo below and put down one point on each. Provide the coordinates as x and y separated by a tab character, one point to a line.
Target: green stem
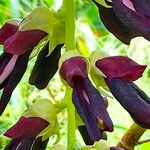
71	119
69	24
69	10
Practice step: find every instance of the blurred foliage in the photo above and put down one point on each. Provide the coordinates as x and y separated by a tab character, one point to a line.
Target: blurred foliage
91	35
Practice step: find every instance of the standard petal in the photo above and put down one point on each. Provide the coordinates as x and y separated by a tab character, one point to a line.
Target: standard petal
23	41
29	127
45	67
120	66
72	68
14	79
134	20
7	30
129	98
115	26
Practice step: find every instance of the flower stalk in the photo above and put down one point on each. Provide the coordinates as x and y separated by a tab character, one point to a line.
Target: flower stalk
71	119
69	10
131	137
69	24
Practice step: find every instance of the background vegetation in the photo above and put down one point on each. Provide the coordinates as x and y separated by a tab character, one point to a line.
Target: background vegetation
91	35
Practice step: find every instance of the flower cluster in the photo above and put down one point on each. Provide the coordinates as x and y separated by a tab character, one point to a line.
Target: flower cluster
45	36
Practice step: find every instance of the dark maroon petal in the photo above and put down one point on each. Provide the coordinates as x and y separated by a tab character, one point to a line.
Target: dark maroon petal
84	133
91	107
130	99
39	144
45	66
24	143
7	31
120	66
23	41
115	26
72	68
142	7
134	20
29	127
14	79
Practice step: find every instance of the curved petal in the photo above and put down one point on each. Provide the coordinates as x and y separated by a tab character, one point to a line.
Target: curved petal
120	66
29	127
7	30
72	68
21	42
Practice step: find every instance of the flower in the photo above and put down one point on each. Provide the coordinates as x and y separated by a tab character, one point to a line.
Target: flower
120	72
20	39
34	128
12	69
88	102
126	19
12	66
45	66
33	30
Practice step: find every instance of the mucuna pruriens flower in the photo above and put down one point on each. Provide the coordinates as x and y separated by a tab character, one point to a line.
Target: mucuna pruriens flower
120	71
88	102
35	126
126	19
45	66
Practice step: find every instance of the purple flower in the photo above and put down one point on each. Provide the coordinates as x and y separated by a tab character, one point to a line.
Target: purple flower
88	102
126	19
45	66
120	71
24	134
